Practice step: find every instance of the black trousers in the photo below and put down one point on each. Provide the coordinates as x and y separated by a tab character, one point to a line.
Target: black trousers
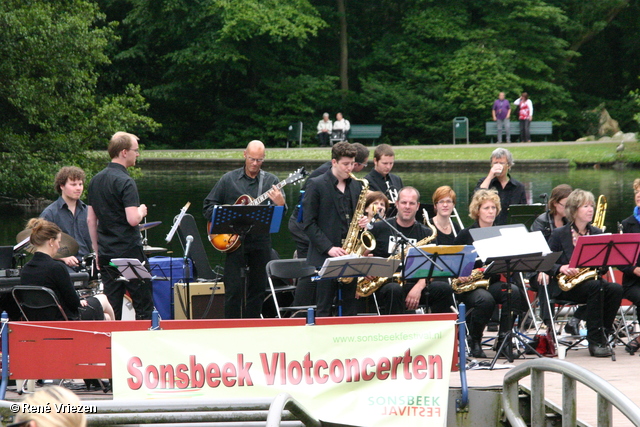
254	255
479	304
499	292
324	138
141	292
631	291
327	291
524	130
602	301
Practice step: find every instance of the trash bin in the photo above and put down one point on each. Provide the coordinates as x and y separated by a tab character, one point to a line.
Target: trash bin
460	129
294	133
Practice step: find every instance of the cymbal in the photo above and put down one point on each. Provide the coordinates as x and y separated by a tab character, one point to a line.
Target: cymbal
148	225
68	245
148	250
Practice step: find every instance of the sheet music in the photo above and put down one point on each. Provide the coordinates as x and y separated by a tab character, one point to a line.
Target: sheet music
512	243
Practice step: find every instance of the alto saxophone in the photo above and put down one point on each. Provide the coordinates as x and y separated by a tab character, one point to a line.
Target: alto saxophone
476	280
566	283
358	240
366	287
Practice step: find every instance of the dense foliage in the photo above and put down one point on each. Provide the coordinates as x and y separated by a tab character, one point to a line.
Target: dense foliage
217	73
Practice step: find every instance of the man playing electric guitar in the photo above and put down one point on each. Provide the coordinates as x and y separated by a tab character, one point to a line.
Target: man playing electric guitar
256	253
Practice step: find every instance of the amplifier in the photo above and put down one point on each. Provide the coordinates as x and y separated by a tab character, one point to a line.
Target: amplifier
200	297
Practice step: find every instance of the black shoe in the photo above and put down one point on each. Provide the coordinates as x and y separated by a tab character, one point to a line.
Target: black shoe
633	346
475	349
599	350
572	327
492	327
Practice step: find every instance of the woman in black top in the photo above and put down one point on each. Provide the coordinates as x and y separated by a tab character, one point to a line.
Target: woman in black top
43	270
631	273
444	200
601	297
484	209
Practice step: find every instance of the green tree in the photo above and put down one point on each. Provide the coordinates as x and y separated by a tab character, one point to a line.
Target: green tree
50	112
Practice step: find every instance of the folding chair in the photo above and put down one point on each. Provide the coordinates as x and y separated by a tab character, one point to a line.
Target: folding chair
38	303
289	271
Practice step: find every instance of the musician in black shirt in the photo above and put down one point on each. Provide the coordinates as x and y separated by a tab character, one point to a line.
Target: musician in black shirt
444	201
329	204
255	252
380	178
394	298
631	273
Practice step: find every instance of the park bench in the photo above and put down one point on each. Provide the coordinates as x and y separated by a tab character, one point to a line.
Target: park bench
536	128
365	132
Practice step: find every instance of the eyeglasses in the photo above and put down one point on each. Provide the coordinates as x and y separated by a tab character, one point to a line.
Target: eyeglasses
364	165
137	150
251	159
445	202
561	204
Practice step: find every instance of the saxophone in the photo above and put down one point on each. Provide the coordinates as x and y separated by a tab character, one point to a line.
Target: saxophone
366	287
358	240
566	283
476	280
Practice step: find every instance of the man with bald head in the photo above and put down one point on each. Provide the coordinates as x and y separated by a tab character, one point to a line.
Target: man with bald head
113	216
255	252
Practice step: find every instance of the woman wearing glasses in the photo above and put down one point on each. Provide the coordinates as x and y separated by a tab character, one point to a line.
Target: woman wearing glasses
444	201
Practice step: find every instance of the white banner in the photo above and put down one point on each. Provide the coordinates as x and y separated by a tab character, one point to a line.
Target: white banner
374	374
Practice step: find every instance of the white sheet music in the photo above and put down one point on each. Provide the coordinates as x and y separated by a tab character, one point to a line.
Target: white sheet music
512	243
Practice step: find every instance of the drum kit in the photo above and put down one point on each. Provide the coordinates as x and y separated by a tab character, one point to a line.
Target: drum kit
88	265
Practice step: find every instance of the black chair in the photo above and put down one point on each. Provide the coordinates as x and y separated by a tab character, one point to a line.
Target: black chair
283	275
197	253
38	303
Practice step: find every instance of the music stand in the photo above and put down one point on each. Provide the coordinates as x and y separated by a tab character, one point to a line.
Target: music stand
456	261
525	214
131	268
354	266
517	264
244	220
603	250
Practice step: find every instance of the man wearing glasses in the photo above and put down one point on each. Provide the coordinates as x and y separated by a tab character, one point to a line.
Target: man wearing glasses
511	192
113	216
255	252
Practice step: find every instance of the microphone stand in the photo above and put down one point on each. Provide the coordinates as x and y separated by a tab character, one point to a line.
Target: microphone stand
404	241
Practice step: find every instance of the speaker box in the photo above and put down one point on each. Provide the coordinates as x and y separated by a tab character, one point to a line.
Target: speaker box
200	293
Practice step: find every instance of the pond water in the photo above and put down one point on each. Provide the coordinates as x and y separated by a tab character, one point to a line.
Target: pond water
166	193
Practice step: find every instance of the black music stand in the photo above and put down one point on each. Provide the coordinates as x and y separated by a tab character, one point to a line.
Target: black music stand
508	265
604	250
354	266
525	214
131	268
244	220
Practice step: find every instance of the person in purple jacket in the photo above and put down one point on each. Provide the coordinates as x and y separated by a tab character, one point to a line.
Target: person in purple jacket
501	112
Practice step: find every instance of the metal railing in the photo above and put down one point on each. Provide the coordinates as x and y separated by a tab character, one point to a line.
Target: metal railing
608	395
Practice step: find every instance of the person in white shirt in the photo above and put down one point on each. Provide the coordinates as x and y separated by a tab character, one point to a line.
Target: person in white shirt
324	130
343	125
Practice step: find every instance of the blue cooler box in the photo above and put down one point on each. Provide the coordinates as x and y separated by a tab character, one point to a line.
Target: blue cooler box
171	269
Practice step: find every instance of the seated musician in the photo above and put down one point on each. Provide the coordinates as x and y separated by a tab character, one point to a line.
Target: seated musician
43	270
631	274
396	298
376	203
484	208
553	218
601	297
444	201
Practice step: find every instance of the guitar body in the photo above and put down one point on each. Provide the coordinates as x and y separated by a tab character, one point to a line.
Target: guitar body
228	242
231	242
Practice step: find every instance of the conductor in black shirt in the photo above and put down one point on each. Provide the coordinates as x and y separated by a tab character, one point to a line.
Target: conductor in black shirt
255	252
329	204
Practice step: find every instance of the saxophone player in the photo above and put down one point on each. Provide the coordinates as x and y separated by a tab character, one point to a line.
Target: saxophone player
394	298
601	297
329	204
631	273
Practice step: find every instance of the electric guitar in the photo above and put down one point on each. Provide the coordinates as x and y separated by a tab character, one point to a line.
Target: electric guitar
231	242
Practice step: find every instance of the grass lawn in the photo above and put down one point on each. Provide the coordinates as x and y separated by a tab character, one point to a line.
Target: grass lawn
576	152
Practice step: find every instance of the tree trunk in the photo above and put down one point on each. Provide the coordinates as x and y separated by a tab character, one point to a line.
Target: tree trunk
344	49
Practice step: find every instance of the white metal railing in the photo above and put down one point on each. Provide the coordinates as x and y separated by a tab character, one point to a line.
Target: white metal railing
608	395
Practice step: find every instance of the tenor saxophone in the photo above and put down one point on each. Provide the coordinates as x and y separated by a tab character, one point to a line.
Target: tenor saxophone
358	240
566	283
366	287
476	280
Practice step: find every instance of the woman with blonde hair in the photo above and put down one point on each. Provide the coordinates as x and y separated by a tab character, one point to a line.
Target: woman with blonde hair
44	270
50	396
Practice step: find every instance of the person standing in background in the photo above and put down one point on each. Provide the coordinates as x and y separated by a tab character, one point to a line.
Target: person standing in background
525	115
501	112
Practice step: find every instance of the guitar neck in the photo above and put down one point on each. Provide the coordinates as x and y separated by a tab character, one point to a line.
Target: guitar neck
265	196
